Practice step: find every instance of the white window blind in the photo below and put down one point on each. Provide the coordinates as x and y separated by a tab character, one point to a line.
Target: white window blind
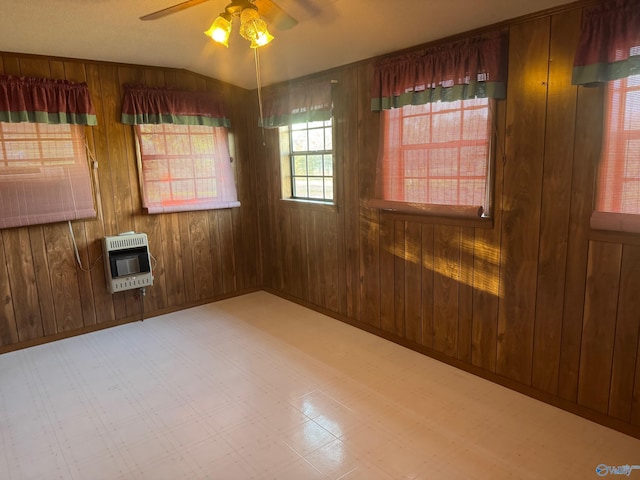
44	175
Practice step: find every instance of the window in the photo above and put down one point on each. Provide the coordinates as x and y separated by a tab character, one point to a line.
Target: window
44	176
307	161
185	167
436	104
302	112
619	176
438	154
609	53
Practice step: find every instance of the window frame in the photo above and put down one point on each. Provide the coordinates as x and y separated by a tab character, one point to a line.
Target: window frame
287	163
450	214
193	203
610	173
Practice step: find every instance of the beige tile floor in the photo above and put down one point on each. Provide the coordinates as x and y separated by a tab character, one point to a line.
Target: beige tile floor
256	387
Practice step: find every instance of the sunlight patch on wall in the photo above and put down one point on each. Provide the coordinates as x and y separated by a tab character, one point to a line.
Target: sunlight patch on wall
486	267
483	274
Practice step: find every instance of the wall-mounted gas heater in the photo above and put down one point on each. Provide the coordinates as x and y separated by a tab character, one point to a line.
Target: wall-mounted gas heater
127	263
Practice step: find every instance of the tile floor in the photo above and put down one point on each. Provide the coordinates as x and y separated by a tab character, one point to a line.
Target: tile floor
256	387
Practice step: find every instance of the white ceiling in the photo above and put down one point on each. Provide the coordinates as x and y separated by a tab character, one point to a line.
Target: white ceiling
343	32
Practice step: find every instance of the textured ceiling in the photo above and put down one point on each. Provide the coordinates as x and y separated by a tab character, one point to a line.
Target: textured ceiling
330	33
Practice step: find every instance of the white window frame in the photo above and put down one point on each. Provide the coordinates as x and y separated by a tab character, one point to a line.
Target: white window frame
288	155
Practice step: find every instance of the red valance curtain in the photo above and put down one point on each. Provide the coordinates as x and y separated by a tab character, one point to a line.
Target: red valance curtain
149	105
475	67
308	101
609	46
43	100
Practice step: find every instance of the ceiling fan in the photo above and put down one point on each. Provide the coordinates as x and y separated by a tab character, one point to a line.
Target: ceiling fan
274	14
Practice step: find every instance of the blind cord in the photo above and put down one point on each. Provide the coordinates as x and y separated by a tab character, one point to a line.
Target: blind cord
94	175
75	248
259	82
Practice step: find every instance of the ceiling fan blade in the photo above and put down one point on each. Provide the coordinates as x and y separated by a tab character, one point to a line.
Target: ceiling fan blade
173	9
312	7
275	15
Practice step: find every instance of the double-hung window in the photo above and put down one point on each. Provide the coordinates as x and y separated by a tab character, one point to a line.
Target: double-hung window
609	53
44	171
436	104
619	173
307	161
184	167
303	115
438	153
183	151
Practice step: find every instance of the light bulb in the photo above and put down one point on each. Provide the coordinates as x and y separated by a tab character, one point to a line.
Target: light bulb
220	30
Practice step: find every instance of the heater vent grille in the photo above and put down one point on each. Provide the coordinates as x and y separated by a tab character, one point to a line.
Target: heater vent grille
126	241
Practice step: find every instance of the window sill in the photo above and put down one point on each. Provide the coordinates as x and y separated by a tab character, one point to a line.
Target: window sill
433	214
308	205
158	209
616	222
615	227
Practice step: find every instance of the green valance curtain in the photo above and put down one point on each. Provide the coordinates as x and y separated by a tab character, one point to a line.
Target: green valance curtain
609	47
151	105
43	100
475	67
308	101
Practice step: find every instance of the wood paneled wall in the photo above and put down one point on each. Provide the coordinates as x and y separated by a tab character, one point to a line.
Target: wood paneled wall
201	256
536	301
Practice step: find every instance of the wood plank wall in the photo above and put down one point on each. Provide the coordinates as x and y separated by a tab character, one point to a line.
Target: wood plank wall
201	256
537	301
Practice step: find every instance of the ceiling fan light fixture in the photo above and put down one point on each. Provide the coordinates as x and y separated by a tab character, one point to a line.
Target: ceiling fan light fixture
220	29
253	28
262	38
